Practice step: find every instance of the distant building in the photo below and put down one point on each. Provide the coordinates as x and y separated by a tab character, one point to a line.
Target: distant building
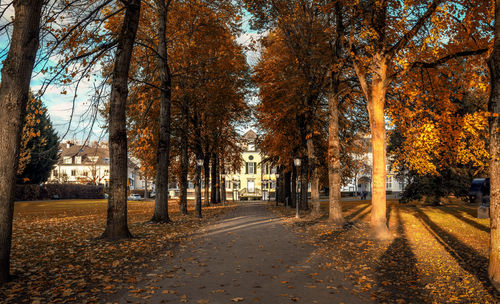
255	179
362	180
90	165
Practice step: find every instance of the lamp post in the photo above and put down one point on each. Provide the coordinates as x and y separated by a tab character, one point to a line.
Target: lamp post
276	189
199	164
297	162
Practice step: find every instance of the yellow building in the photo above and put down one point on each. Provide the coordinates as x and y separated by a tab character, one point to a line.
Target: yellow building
255	179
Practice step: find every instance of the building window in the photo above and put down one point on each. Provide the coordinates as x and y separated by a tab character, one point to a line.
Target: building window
85	173
106	172
251	147
73	172
250	168
389	182
55	173
78	160
67	160
93	158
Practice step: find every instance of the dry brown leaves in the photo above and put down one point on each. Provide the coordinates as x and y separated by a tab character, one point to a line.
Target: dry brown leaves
437	255
57	256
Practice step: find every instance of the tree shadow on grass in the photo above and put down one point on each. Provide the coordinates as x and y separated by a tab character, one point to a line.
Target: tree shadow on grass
467	257
397	273
356	213
464	219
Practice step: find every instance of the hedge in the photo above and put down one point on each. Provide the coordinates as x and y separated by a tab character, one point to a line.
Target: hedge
33	192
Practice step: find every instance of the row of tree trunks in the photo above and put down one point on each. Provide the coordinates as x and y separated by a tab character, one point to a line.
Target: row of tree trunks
160	214
14	91
116	223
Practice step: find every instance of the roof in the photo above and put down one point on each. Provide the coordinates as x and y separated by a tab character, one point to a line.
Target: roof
250	136
85	152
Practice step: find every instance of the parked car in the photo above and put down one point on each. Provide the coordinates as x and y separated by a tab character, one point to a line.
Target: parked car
134	197
479	188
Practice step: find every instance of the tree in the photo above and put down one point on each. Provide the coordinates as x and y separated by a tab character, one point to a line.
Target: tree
39	145
388	39
163	152
116	223
14	94
494	109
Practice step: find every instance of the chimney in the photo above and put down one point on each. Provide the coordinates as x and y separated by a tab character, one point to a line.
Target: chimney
69	144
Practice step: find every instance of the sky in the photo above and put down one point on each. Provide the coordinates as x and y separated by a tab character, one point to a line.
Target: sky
74	123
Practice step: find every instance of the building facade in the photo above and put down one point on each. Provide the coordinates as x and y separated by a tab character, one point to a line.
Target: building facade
361	182
83	164
255	179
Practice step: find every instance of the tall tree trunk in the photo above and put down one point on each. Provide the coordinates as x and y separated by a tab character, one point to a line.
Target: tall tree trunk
14	90
494	108
304	183
160	214
335	214
376	104
116	224
223	184
314	177
293	184
335	203
184	158
287	191
199	155
146	193
217	180
206	169
213	177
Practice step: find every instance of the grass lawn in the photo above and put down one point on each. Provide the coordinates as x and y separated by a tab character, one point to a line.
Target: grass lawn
56	256
437	255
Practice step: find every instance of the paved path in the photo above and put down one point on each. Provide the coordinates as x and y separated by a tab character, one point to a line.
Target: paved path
248	257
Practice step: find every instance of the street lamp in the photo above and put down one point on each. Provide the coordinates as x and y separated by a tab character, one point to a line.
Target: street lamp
297	162
199	164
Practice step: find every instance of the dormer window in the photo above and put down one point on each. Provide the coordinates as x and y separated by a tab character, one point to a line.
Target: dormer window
251	147
67	160
93	158
78	160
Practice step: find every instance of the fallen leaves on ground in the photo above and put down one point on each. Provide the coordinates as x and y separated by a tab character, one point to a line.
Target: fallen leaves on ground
57	256
437	254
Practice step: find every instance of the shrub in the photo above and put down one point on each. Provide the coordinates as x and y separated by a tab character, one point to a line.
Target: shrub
58	191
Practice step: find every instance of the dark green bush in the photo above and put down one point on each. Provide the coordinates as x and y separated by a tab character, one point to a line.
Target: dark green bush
30	192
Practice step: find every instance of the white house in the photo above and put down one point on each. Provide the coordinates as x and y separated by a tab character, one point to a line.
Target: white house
361	182
89	164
